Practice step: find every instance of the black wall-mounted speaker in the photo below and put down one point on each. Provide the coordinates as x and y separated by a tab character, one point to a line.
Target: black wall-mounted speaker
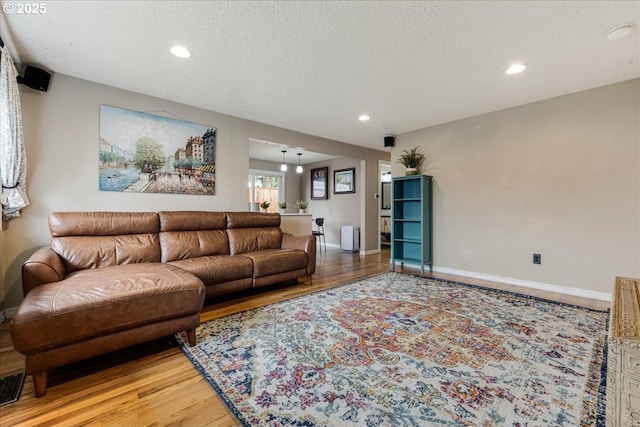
35	78
389	141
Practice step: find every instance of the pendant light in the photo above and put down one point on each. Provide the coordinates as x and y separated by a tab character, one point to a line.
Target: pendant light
283	166
299	168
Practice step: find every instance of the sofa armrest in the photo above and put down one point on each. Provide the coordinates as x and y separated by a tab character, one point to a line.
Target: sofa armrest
44	266
305	243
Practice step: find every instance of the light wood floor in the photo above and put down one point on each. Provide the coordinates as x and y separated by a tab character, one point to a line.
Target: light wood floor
155	384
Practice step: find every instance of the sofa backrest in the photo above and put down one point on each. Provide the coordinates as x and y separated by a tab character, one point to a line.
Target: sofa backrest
253	231
101	239
191	234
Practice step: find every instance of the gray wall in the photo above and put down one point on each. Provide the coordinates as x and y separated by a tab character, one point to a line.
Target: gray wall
560	177
61	130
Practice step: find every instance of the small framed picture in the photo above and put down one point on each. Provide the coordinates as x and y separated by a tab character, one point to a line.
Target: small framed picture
319	178
344	181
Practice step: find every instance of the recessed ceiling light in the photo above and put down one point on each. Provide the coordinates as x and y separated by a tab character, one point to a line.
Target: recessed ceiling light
619	32
364	118
515	69
180	51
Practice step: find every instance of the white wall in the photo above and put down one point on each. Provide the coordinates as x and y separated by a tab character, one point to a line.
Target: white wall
61	130
560	177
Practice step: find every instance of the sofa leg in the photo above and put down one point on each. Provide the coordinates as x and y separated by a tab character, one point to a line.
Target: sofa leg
191	335
40	383
309	280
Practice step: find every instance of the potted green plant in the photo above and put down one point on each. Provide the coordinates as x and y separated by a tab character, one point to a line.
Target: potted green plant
282	206
265	205
301	205
412	160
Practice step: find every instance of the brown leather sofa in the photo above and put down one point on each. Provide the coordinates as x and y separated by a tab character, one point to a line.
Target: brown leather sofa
233	251
114	279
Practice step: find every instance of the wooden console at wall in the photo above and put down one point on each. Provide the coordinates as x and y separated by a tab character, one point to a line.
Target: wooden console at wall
623	364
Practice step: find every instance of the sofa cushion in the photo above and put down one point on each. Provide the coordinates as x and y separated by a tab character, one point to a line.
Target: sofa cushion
85	252
191	220
97	302
100	239
242	240
102	223
275	261
253	231
178	245
269	238
192	234
217	269
252	219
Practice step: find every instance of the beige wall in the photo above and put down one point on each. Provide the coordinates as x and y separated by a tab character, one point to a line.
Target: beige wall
61	129
560	177
338	209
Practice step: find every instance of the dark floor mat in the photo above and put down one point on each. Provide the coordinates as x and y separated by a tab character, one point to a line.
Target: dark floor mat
10	388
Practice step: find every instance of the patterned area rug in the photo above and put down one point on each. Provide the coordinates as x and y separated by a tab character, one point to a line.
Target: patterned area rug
407	351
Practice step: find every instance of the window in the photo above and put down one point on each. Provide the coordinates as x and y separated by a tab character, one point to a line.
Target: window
265	186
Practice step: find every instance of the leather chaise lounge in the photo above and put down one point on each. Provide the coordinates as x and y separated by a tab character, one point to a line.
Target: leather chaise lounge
110	280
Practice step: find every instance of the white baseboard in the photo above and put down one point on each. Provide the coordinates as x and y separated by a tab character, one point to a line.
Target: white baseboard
371	252
361	252
585	293
602	296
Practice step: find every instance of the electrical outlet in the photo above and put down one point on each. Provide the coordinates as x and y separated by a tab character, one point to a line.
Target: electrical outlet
537	258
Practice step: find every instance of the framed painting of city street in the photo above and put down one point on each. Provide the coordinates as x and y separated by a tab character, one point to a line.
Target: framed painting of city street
146	153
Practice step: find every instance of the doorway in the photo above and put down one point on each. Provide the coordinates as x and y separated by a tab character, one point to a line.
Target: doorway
384	232
265	186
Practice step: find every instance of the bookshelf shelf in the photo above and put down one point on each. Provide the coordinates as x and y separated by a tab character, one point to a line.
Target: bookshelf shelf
412	223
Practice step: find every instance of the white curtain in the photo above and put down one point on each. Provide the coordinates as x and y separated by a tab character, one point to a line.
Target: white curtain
13	157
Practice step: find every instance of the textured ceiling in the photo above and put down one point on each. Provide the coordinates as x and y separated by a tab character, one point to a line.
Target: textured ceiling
314	67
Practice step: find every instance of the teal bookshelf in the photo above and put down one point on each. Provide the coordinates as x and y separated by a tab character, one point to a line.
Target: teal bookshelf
412	222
